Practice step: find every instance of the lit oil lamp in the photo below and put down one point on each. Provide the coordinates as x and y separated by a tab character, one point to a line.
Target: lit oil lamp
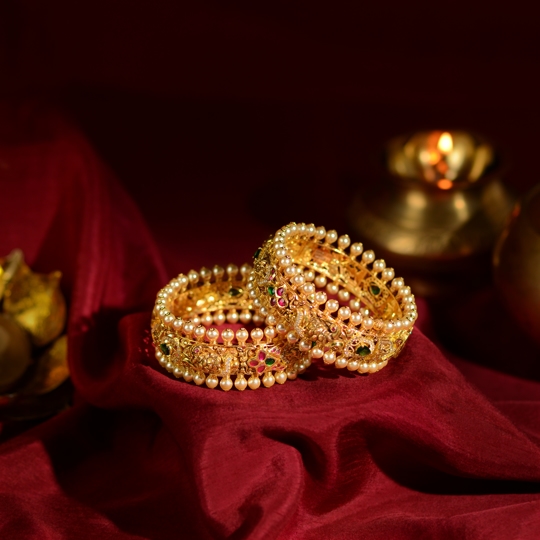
436	210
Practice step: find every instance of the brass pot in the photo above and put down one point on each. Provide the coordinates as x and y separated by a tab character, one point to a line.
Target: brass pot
516	264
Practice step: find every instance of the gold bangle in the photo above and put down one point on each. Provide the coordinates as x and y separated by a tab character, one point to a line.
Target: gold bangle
368	317
189	345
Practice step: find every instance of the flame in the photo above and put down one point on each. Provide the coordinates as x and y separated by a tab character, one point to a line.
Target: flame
446	143
444	183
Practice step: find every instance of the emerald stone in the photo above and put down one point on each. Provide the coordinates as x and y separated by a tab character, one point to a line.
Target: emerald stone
363	351
269	361
165	349
313	343
257	253
235	292
271	290
374	289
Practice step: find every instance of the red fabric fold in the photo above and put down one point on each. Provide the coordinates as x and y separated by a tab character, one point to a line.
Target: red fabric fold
415	451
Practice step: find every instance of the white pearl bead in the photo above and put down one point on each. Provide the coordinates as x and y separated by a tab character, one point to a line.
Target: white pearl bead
254	382
183	280
257	334
389	327
291	271
232	270
344	295
379	265
316	352
218	272
298	280
212	381
329	357
404	291
270	320
308	288
242	335
356	249
226	384
281	328
207	319
332	288
387	274
169	319
397	283
320	297
331	237
344	241
309	275
189	327
206	274
291	375
344	312
341	362
219	318
364	367
281	377
368	323
193	276
292	337
175	284
310	229
199	332
306	362
245	269
304	345
158	354
373	367
320	281
227	335
331	306
232	316
253	294
368	256
245	316
198	378
355	304
240	383
284	262
188	377
320	233
398	326
263	311
270	332
256	302
163	361
356	318
280	253
268	380
212	334
353	365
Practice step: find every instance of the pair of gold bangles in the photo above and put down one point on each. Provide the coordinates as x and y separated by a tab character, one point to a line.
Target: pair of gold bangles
310	294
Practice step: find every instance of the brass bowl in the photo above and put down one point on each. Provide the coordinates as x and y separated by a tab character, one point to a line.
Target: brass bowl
436	209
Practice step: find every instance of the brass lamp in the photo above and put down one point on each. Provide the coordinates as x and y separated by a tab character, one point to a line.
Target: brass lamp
436	209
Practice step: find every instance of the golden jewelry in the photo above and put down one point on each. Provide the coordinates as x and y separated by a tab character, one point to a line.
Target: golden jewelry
189	345
351	313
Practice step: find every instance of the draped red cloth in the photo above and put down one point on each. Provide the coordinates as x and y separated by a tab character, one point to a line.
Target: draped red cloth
224	122
430	447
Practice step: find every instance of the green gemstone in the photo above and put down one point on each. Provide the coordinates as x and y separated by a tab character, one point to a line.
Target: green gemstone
313	343
271	291
257	253
269	361
165	349
363	351
374	289
235	292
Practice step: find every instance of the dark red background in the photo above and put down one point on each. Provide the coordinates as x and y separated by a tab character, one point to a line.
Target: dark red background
224	122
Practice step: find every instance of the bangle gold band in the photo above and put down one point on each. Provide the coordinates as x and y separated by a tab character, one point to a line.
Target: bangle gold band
362	320
189	345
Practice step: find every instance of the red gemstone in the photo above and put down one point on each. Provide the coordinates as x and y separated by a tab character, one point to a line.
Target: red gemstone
272	301
280	291
262	356
281	302
260	369
253	363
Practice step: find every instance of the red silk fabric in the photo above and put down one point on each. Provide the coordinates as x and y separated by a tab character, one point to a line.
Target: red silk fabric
420	450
